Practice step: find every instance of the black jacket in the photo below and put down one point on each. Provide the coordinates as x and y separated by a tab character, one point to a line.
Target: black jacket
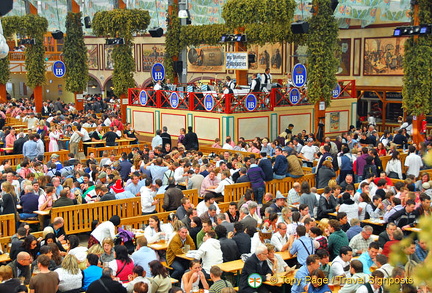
111	285
267	168
191	141
324	207
402	218
229	249
251	266
243	242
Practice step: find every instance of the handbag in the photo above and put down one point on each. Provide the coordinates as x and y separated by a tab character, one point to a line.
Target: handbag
393	175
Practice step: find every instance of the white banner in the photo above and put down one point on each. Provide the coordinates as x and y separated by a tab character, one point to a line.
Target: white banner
238	60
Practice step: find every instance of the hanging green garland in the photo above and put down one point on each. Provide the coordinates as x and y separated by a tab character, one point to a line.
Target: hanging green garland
264	21
10	26
34	27
417	80
195	35
75	54
323	48
121	23
172	42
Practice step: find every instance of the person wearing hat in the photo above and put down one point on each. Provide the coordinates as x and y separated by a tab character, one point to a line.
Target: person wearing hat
31	121
119	191
279	204
107	229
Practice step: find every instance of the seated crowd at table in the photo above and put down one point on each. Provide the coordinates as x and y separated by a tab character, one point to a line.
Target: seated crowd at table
340	230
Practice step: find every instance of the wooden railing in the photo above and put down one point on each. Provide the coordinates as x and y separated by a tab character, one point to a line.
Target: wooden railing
207	149
7	225
192	194
78	218
5	242
385	159
115	150
233	192
17	159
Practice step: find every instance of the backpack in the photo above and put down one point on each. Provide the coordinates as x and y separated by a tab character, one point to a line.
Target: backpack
126	238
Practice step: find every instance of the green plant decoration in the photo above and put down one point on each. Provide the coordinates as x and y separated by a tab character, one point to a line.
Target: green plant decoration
417	64
34	27
19	24
264	21
121	23
75	54
323	48
10	26
195	35
124	66
172	42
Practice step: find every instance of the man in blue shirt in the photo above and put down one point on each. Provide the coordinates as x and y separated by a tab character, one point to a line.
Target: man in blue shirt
30	148
135	185
368	257
303	245
143	255
92	272
300	282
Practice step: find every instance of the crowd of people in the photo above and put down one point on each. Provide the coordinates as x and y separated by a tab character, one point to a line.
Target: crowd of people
326	245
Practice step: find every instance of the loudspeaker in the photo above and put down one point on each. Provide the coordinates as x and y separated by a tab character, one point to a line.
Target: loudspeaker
5	6
57	35
300	27
87	22
334	4
178	66
156	32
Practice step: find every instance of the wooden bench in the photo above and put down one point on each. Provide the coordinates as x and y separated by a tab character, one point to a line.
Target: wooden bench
115	150
207	149
78	218
234	192
7	225
17	159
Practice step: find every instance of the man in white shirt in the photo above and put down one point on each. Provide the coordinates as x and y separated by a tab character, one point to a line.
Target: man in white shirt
308	152
225	180
227	144
157	139
148	203
203	206
280	239
31	121
181	174
293	194
210	252
413	162
341	264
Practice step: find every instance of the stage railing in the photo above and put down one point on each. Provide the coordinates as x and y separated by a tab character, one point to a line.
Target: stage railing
239	102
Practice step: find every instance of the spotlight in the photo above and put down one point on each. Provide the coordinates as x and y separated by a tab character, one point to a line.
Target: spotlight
27	42
57	34
300	27
156	32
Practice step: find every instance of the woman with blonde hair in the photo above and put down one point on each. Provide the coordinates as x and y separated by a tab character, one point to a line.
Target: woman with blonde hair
108	252
70	275
9	199
96	249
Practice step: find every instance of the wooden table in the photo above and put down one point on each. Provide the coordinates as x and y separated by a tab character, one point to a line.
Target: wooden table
94	142
379	222
412	229
231	266
124	141
5	257
286	255
158	246
281	280
183	255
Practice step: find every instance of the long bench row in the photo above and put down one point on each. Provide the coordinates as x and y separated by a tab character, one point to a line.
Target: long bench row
17	159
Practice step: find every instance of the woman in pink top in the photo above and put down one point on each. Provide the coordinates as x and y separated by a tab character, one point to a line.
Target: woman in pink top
10	139
217	143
